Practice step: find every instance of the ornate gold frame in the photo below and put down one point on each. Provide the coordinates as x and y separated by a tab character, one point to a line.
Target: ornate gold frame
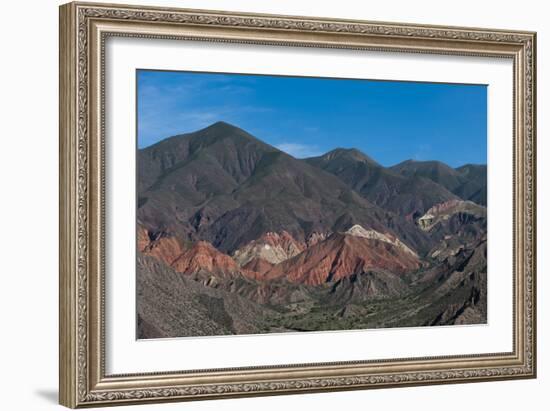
83	30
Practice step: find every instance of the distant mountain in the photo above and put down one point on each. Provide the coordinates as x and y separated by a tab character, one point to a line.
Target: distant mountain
474	187
434	170
468	182
403	194
224	186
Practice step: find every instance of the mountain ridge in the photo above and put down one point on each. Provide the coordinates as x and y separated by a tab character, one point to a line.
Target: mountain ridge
405	195
468	181
224	124
222	190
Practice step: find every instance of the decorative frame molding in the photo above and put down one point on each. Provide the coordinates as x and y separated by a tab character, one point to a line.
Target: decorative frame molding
83	30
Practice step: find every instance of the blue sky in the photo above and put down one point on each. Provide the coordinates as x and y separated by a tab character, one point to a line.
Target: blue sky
390	121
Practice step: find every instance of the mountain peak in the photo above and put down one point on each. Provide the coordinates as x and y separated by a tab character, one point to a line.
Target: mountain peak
221	130
349	154
223	154
421	163
211	134
221	125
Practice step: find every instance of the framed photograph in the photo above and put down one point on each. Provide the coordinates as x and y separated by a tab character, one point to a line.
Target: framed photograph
259	204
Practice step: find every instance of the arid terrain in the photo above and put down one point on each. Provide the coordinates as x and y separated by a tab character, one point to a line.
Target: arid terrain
237	237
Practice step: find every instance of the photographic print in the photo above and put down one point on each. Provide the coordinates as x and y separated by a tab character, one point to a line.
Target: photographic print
271	204
242	195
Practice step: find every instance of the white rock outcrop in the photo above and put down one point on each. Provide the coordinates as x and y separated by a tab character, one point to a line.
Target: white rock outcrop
271	247
359	231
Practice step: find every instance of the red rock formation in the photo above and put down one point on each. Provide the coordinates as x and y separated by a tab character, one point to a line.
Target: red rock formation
143	239
258	265
283	239
315	238
164	247
203	257
340	256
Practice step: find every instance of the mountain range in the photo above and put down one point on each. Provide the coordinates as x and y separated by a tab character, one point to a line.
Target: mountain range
327	242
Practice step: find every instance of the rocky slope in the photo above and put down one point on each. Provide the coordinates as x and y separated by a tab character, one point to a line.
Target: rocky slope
170	304
444	212
454	225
